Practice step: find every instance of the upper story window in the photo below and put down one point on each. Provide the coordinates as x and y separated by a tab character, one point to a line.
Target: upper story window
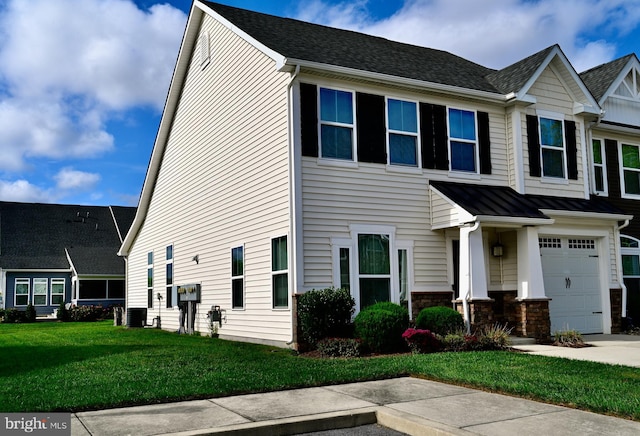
336	124
552	147
599	167
462	140
630	163
402	123
630	251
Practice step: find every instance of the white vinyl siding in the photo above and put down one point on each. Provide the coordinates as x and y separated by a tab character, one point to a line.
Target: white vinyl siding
223	179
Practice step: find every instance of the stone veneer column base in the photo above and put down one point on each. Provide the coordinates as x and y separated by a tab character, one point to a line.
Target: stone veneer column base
421	300
533	319
480	312
615	297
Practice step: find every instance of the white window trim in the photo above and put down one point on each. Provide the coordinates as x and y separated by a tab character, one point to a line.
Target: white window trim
57	281
629	251
476	145
556	116
408	246
403	133
286	271
621	170
605	183
41	280
333	123
336	245
240	277
15	293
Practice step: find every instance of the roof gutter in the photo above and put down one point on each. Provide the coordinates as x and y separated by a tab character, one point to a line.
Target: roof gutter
396	80
594	215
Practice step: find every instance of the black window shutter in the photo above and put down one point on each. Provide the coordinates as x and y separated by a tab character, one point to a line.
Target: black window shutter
572	149
484	143
426	136
533	138
370	123
309	119
433	127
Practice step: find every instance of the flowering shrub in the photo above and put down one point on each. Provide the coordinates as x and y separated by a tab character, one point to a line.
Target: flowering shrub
340	347
421	341
86	313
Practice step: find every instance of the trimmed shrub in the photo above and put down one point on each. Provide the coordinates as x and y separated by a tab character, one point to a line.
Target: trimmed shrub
63	313
325	313
340	347
380	327
421	341
440	320
13	316
30	314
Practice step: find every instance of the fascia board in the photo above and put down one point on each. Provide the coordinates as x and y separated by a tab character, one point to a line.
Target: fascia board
73	268
170	107
511	220
396	80
586	215
277	57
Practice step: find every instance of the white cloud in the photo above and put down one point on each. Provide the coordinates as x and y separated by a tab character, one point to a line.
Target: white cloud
68	179
495	33
23	191
67	67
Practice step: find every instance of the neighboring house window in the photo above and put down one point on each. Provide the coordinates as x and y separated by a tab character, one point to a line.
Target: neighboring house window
630	168
552	147
402	124
57	291
115	289
374	269
169	271
150	279
336	124
237	277
40	291
22	292
599	167
462	140
279	275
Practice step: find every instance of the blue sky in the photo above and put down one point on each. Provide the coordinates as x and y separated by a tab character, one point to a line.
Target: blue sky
83	82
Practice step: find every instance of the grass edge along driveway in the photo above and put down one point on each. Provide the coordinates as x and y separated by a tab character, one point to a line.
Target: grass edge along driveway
87	366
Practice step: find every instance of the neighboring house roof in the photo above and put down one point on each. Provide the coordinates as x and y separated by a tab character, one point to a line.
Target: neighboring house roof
96	261
599	79
502	201
36	235
123	218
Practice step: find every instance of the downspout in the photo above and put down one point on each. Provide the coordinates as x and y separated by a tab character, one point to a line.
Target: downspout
293	190
622	285
465	298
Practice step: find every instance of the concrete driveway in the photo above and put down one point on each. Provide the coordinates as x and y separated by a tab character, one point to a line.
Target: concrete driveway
613	349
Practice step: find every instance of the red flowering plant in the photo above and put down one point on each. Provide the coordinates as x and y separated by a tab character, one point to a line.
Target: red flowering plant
421	341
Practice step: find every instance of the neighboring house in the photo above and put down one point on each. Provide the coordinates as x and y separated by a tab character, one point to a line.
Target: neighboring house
53	253
615	160
292	156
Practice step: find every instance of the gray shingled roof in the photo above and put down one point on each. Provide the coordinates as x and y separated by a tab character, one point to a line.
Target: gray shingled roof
599	79
514	77
35	235
483	200
296	39
96	260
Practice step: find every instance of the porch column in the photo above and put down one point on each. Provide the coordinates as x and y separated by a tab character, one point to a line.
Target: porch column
473	273
530	279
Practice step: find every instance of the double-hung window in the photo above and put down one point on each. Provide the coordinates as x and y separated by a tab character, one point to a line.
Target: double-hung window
402	125
57	291
374	268
237	277
150	279
22	292
552	147
336	124
599	167
463	140
279	272
169	275
630	168
40	291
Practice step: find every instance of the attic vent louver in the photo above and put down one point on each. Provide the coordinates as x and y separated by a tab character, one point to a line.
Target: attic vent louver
204	49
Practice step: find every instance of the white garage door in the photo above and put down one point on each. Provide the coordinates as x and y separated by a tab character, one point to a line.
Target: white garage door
572	281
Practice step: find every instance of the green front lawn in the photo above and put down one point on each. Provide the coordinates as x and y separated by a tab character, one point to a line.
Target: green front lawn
83	366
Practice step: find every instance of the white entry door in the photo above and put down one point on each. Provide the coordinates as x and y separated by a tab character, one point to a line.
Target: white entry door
572	281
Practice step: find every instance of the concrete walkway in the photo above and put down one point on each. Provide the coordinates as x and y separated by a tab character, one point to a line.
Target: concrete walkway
407	405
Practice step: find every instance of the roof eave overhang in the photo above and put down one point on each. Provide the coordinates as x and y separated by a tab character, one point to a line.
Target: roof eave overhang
617	128
396	80
587	215
497	221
